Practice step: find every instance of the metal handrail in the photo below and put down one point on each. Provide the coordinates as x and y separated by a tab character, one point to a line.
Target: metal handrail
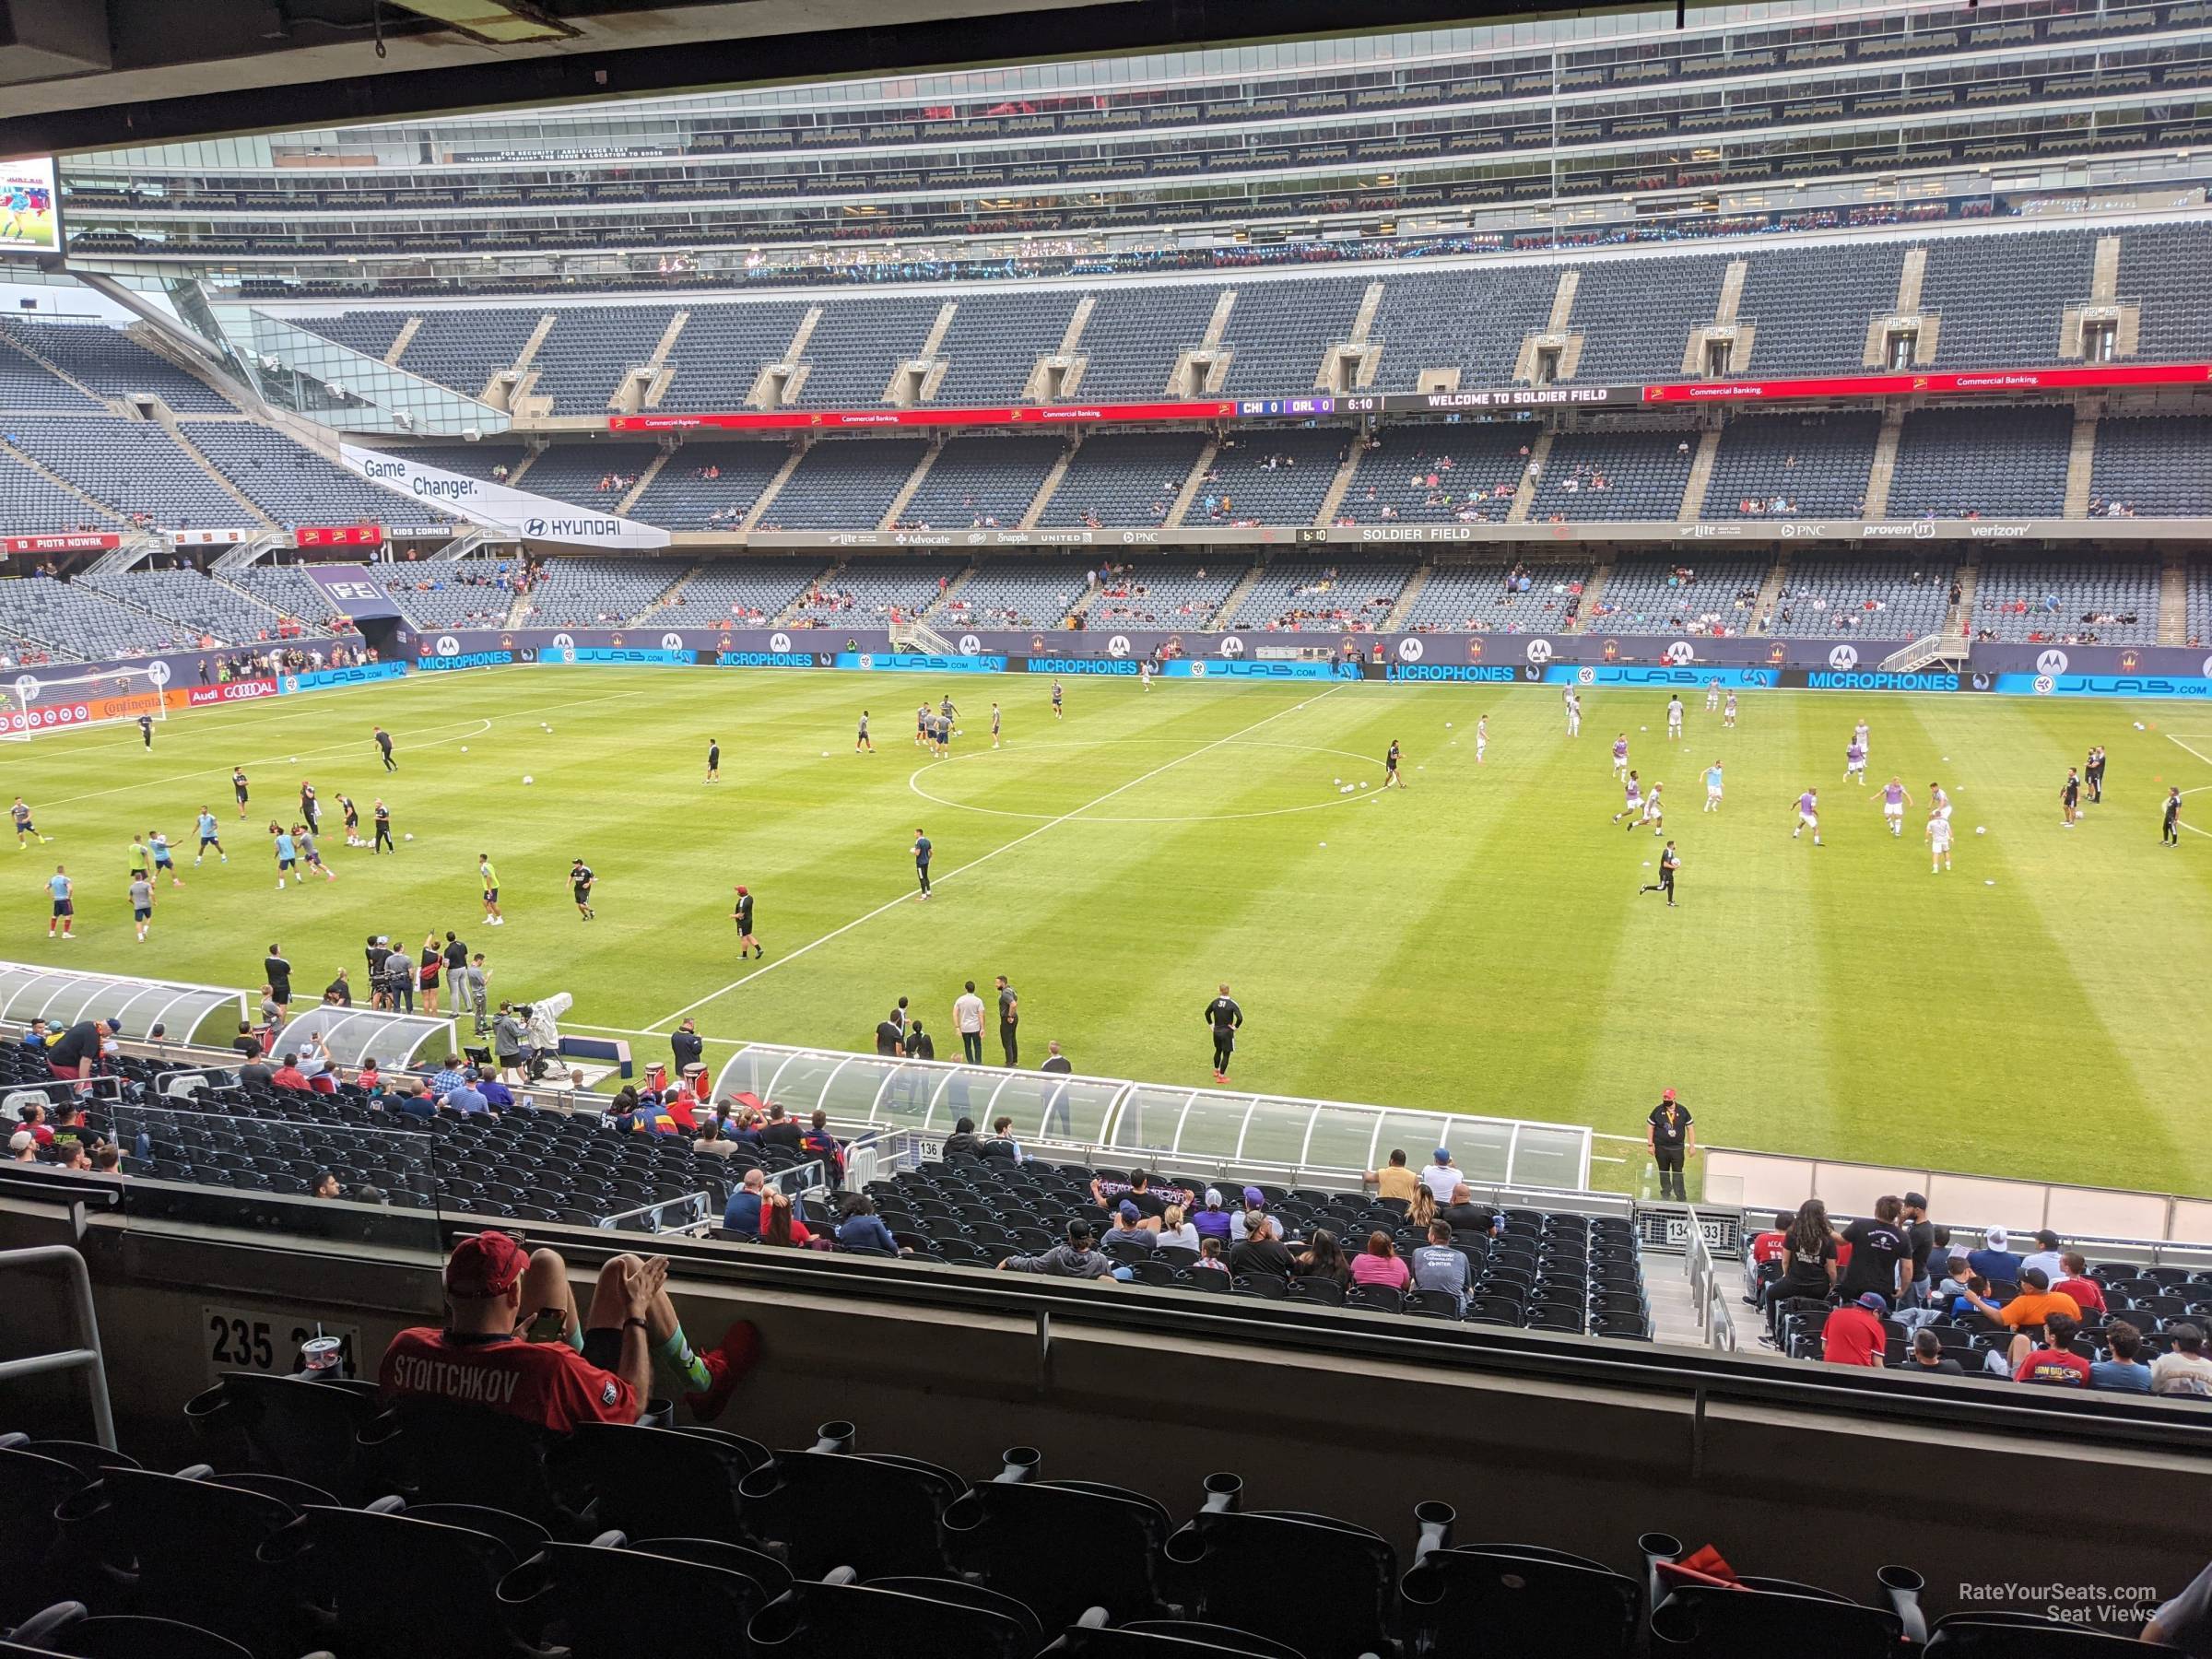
1705	1292
86	1356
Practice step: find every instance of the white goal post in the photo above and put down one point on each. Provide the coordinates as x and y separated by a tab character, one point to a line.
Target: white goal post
34	703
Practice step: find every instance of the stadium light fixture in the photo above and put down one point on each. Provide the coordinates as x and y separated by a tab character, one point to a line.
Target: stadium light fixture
493	22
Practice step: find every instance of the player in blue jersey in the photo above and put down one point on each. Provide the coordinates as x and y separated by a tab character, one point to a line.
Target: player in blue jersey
1712	787
60	887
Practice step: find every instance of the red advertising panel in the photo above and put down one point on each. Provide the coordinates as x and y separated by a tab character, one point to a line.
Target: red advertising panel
339	536
80	710
73	541
863	419
237	690
1969	383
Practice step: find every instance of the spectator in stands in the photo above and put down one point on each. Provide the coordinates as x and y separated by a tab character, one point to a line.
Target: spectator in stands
1002	1146
780	1222
1149	1204
2074	1281
1465	1214
742	1214
1394	1180
257	1072
1881	1259
497	1095
1928	1358
781	1131
1213	1222
962	1141
1174	1231
325	1186
368	1079
1380	1264
2046	1256
1209	1257
22	1147
1075	1259
1423	1210
2036	1302
861	1227
1126	1228
2182	1368
1439	1264
2052	1363
1920	1237
245	1043
76	1052
448	1076
1853	1334
1321	1259
1996	1259
1240	1221
288	1075
1808	1257
514	1345
1262	1251
1442	1175
467	1098
107	1160
2122	1371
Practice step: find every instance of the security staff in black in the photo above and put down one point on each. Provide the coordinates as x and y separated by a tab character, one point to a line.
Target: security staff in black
1669	862
1223	1016
1010	1021
1670	1139
2172	835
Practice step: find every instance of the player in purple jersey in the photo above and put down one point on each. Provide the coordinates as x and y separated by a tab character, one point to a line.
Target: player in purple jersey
1633	805
1855	763
1895	799
1620	756
1809	816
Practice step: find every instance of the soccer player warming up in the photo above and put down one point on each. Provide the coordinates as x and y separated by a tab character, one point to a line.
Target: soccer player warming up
1620	756
1574	713
1059	711
1223	1016
2069	798
1712	787
1654	813
861	740
26	831
1894	800
1390	768
2171	835
1809	816
921	851
1674	717
1939	844
580	883
742	914
1482	738
1633	808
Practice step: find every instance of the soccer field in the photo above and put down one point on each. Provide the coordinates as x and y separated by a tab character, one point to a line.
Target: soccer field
1474	943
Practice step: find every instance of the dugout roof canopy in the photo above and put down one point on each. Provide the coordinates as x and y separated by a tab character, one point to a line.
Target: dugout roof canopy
353	1034
63	998
1157	1121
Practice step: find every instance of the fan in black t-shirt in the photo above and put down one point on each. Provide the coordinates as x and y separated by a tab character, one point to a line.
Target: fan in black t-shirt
1877	1248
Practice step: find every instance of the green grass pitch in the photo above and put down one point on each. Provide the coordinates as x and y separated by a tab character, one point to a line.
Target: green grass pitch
1475	943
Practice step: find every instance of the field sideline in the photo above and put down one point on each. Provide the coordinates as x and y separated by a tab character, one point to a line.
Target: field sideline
1475	943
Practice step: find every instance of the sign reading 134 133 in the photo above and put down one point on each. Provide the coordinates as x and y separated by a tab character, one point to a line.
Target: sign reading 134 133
253	1339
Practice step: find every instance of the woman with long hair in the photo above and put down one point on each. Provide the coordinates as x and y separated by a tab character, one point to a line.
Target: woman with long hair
1808	1258
1380	1264
433	960
779	1226
1322	1258
1421	1208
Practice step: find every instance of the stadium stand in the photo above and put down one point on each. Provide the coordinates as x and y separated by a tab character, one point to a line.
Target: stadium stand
1882	598
1020	592
845	483
2104	601
1163	593
73	621
722	351
979	482
1809	308
1134	333
1666	595
1278	332
2163	269
31	504
588	474
867	591
188	598
1492	597
463	348
483	461
1268	478
1124	478
996	338
1312	592
597	592
1792	467
1999	297
289	590
132	466
1628	473
1961	463
2152	466
464	593
295	485
740	590
1466	320
1635	316
1438	474
26	385
581	363
858	345
708	486
112	365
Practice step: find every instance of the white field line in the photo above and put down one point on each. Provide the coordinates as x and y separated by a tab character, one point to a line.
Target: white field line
1031	835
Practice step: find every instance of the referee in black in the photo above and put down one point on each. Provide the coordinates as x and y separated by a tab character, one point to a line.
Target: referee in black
1224	1017
1669	862
2172	835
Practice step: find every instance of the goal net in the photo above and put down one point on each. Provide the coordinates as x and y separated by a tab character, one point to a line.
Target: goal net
33	704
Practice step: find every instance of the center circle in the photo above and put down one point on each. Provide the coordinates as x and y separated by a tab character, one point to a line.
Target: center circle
913	782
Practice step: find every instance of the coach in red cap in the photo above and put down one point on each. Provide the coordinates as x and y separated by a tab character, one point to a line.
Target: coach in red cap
513	1344
1672	1140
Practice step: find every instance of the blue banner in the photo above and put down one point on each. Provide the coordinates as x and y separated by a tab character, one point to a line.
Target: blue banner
1107	667
1687	676
764	659
1462	673
2104	685
1873	680
624	653
471	659
359	675
1243	668
884	661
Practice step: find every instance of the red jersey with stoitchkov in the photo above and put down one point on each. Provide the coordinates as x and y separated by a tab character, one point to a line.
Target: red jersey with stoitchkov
548	1383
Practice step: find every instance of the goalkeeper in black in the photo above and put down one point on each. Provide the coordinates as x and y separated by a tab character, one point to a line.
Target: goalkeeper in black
1223	1016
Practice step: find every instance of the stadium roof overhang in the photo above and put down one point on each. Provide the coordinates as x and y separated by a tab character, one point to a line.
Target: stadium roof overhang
83	75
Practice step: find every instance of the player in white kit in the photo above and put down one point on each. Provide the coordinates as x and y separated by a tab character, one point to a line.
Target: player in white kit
1674	717
1482	738
1144	676
1728	713
1860	736
1939	803
1620	756
1574	713
1654	813
1809	816
1855	763
1712	787
1712	695
1894	802
1633	806
1939	844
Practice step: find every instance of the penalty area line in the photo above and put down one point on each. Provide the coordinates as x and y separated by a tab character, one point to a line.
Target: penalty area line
883	910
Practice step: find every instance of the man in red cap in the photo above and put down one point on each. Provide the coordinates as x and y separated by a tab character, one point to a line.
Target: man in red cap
512	1343
1672	1140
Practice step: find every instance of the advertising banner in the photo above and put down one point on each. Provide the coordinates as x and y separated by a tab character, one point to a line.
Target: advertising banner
30	205
338	536
468	659
498	506
2102	685
74	541
902	661
828	420
353	592
229	691
207	538
321	678
1971	382
79	709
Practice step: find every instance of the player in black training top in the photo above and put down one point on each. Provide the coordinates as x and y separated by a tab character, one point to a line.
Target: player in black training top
1390	766
2093	774
238	788
2172	834
1223	1016
1669	862
146	729
742	913
383	747
2069	797
713	760
580	883
922	854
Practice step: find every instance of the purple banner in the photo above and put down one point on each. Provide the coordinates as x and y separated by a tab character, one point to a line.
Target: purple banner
352	591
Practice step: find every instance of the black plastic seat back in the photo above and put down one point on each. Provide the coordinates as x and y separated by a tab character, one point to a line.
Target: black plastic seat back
650	1481
1165	1638
440	1454
1320	1585
404	1588
878	1516
289	1426
186	1549
1016	1536
1699	1621
911	1618
603	1603
68	1628
2021	1636
1483	1598
31	1488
